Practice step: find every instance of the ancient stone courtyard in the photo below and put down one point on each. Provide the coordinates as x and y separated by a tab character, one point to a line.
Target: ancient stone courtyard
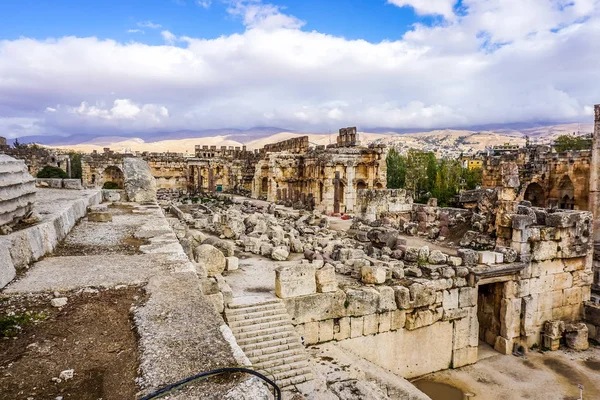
298	264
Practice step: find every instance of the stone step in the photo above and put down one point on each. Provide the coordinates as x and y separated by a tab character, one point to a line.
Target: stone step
281	376
255	314
254	345
267	365
295	380
272	371
236	306
272	334
259	327
273	349
276	356
241	336
256	308
259	320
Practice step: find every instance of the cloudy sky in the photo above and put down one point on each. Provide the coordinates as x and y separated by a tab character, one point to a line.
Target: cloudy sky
114	66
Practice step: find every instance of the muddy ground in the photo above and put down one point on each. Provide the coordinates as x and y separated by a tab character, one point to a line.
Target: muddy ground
93	335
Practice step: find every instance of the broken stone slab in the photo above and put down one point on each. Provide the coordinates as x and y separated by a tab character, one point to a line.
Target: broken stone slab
280	253
295	280
139	184
231	263
469	257
437	257
576	336
211	258
326	281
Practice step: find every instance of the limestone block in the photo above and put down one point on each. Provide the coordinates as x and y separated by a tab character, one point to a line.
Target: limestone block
503	345
450	300
139	183
422	318
232	263
402	295
455	313
582	278
73	184
7	268
411	253
544	250
266	249
387	300
528	314
448	272
385	322
576	336
467	297
499	258
371	324
572	296
464	356
362	302
295	280
317	307
469	257
436	257
487	257
211	257
326	281
341	328
373	274
454	261
325	330
311	333
280	253
421	295
356	326
111	195
398	319
563	280
17	190
510	313
217	300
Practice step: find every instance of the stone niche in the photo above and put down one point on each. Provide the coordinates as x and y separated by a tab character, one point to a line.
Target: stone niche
17	191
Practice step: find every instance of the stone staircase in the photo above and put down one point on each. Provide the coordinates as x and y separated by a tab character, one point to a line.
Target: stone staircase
265	332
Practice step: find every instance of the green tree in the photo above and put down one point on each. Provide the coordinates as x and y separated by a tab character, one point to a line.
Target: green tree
51	172
568	142
396	169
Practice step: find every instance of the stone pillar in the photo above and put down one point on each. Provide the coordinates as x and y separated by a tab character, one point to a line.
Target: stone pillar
595	195
595	175
350	188
336	193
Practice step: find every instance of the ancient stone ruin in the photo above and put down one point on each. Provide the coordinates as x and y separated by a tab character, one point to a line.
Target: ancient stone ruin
17	191
295	260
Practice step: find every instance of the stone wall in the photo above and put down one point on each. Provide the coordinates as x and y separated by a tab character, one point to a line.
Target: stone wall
17	191
376	204
37	157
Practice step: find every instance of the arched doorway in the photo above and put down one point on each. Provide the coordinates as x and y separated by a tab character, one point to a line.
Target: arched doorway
566	193
361	185
535	194
112	178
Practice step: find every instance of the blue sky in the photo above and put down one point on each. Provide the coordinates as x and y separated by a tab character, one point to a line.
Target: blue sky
139	67
371	20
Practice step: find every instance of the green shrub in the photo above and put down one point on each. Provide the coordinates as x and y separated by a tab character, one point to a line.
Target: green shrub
52	172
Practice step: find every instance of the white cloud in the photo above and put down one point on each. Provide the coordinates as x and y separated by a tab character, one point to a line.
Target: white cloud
204	3
149	24
168	37
135	31
428	7
535	61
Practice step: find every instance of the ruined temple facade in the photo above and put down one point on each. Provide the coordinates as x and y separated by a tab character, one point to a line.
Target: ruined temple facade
548	179
327	178
37	157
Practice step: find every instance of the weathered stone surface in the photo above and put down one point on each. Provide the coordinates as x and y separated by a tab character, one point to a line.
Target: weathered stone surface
469	257
421	295
231	263
362	302
373	274
576	336
139	183
387	300
17	190
99	216
326	281
437	257
422	318
295	280
211	258
402	295
280	253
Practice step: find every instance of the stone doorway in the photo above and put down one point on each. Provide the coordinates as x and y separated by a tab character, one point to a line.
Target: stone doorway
489	301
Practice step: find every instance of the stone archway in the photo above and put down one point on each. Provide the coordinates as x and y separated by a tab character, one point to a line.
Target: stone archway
566	193
535	194
112	178
361	185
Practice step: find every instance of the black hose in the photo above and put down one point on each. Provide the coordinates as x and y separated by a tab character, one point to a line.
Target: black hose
213	372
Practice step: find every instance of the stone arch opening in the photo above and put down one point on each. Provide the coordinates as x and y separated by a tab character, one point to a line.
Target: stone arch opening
112	178
566	192
535	194
361	185
378	186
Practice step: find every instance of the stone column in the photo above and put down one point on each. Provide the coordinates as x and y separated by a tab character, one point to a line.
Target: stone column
336	193
350	188
595	175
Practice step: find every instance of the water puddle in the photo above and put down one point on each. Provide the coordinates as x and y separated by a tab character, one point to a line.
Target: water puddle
440	391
